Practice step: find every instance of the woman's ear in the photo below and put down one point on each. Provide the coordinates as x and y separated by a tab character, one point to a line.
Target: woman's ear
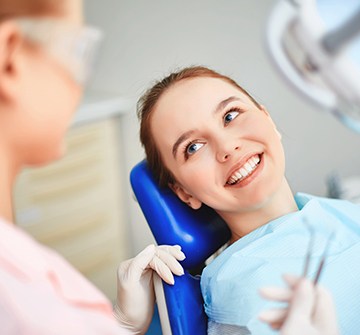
184	196
10	41
262	108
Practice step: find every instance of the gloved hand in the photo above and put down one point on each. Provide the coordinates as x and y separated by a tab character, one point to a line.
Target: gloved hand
310	311
135	292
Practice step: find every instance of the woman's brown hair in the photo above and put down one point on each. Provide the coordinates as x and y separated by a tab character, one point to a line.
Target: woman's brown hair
146	106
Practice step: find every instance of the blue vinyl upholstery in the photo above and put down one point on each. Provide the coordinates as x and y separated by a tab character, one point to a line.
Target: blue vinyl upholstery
200	233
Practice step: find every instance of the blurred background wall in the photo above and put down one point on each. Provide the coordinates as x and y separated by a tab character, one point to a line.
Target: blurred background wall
145	40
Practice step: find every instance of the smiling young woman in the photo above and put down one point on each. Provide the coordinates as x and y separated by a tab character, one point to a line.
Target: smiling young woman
211	142
208	140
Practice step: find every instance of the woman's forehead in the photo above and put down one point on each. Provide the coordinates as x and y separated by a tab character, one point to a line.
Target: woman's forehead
188	104
200	90
203	84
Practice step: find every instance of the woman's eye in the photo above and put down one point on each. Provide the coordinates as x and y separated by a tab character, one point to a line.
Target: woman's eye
230	116
193	147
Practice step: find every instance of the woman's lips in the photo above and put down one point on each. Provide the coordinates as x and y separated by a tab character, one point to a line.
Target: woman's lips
245	170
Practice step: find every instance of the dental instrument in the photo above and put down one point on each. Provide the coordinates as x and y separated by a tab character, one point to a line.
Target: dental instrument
309	251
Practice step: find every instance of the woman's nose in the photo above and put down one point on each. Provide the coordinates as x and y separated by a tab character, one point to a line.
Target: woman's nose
226	152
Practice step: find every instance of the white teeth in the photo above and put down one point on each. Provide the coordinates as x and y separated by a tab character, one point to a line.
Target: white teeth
245	170
247	166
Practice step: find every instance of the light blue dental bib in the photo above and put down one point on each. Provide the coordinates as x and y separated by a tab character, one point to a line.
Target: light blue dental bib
230	283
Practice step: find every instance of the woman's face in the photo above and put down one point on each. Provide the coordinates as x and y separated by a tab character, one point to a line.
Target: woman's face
222	150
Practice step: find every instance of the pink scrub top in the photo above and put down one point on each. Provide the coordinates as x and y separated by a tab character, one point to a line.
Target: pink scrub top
40	293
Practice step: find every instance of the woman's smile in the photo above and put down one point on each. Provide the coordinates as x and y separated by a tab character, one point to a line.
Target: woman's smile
244	170
244	175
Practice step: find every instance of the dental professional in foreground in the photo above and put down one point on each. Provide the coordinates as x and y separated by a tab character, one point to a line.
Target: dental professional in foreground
42	74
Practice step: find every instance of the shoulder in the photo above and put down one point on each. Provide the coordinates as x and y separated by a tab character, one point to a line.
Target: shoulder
303	199
33	308
342	211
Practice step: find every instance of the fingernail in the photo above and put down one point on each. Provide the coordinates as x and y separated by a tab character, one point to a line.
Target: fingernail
266	316
179	270
171	281
262	316
291	279
263	291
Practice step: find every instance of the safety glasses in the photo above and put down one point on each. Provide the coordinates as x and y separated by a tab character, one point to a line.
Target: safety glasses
73	46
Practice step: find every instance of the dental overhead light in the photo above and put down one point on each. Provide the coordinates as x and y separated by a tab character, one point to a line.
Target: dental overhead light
315	44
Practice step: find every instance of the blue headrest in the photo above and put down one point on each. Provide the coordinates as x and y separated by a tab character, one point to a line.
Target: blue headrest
199	232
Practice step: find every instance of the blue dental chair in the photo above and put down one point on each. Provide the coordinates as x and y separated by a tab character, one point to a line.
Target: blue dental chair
200	233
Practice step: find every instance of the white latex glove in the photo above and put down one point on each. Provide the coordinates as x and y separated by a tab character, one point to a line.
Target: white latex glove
134	306
311	309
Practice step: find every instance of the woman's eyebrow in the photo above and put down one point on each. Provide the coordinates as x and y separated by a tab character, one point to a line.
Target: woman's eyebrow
224	103
181	139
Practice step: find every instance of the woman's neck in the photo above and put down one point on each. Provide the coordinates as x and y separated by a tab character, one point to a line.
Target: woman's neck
279	204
